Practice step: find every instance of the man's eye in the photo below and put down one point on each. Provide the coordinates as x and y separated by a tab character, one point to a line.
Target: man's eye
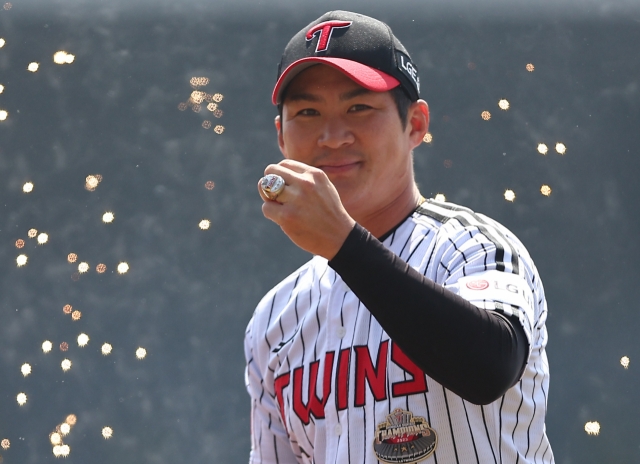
359	107
308	112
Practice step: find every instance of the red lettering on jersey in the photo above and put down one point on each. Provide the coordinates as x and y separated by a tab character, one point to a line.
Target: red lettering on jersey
342	379
376	377
408	387
315	405
280	383
325	30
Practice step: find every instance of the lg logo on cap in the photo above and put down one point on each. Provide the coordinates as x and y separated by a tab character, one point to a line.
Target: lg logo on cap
324	31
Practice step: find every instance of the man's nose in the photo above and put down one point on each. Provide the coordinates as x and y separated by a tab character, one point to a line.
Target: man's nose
335	134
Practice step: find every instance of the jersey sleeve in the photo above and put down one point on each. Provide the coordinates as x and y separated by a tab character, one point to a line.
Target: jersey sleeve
269	439
491	269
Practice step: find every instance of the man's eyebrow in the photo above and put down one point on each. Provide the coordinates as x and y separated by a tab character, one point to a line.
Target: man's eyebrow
302	97
354	93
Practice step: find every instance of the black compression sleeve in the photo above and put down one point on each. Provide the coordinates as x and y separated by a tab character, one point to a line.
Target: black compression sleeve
475	353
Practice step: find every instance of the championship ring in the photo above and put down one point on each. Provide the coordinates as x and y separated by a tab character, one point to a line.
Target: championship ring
404	438
272	185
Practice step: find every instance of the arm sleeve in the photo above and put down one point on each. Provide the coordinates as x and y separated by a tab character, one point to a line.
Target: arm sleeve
475	353
269	439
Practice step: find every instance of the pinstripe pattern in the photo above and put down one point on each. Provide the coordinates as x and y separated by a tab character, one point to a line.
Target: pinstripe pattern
312	312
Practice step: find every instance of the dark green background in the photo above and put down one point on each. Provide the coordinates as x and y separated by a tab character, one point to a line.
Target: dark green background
190	293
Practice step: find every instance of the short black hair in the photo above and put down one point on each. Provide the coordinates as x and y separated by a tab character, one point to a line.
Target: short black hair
400	96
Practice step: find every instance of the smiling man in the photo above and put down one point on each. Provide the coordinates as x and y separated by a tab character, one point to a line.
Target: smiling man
417	332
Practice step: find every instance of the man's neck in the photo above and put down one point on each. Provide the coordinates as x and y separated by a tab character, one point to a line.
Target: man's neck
386	218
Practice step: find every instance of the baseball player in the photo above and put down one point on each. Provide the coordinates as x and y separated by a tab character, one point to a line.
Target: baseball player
416	333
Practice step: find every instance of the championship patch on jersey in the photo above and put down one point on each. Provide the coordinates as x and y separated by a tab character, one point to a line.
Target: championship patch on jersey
497	286
404	438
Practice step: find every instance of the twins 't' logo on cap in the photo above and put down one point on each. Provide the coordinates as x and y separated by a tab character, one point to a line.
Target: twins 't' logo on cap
324	31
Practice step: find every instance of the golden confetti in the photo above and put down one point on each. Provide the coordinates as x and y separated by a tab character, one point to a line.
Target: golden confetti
545	190
100	268
27	187
21	398
3	115
71	419
542	149
33	67
46	346
503	104
32	233
2	42
440	197
212	107
217	97
182	106
561	148
209	185
123	267
57	451
428	138
199	81
218	113
43	238
76	315
91	182
63	57
83	267
67	309
25	369
486	115
21	260
108	217
106	349
7	6
64	450
196	108
530	67
55	438
72	257
1	88
592	428
204	224
624	361
65	364
65	428
197	96
64	346
107	432
218	129
19	243
141	353
5	443
206	124
83	339
509	195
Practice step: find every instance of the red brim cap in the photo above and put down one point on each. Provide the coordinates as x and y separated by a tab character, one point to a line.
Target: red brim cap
367	77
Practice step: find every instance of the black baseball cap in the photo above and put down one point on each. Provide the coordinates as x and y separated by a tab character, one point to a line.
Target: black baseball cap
361	47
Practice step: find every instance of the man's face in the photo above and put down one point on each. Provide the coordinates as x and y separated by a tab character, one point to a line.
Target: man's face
354	135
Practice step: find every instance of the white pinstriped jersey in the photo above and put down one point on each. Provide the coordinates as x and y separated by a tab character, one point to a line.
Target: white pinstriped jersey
326	381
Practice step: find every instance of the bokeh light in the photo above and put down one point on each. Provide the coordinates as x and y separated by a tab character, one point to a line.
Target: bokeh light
485	115
543	149
32	233
19	243
503	104
123	268
67	309
21	260
3	115
64	346
5	443
2	42
91	182
141	353
46	346
76	315
65	428
83	339
206	124
65	364
33	67
25	369
62	57
561	148
43	238
545	190
204	224
107	432
83	267
7	6
27	187
72	257
71	419
108	217
100	268
624	362
65	450
209	185
440	197
509	195
217	97
55	438
106	349
530	67
1	88
21	399
212	107
218	129
592	428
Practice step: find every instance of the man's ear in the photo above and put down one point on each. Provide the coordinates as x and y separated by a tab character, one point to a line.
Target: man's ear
418	121
278	124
